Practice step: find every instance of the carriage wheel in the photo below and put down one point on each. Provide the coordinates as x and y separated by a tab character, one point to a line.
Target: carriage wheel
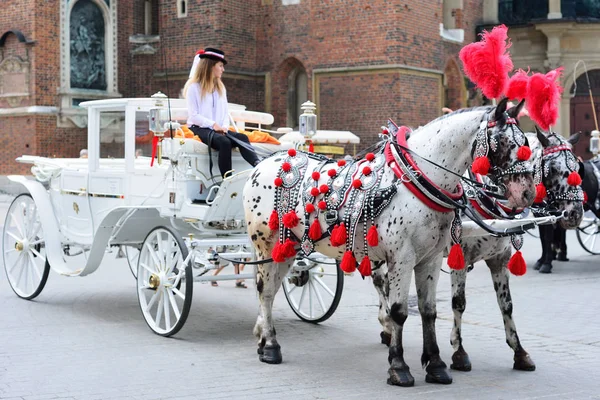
588	235
132	254
165	284
24	248
313	288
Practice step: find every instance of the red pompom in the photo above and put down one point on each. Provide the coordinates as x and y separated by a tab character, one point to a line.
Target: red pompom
292	152
277	253
316	175
332	173
274	221
370	156
356	183
524	153
516	264
540	193
315	232
310	208
338	235
348	264
543	96
372	236
574	179
481	166
517	85
585	197
286	166
456	258
324	188
341	163
322	205
367	171
288	249
278	181
314	191
487	62
290	219
385	131
365	267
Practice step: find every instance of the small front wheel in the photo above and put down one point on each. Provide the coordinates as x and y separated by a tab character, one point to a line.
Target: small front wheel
588	235
24	248
313	288
164	281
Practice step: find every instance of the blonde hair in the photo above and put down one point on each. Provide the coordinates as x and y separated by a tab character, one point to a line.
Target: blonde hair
203	76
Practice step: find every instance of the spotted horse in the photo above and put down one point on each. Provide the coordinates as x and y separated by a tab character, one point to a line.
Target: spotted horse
383	209
558	193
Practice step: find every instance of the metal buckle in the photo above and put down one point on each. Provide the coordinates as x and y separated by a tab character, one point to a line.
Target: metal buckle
331	217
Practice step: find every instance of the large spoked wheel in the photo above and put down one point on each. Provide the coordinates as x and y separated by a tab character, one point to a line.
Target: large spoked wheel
24	248
588	235
132	254
313	288
165	284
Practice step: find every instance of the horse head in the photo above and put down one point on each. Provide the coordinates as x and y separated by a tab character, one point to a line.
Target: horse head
506	148
561	175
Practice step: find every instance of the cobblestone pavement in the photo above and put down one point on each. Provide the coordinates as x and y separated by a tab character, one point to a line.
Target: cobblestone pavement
86	339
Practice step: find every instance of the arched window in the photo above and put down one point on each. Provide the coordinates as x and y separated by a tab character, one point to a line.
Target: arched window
87	47
297	94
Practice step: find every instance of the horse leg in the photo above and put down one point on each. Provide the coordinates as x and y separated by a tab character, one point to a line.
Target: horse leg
426	279
500	276
268	280
546	235
399	276
460	358
380	281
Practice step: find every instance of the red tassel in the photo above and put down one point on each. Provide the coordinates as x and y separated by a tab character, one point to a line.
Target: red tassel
348	264
277	253
456	258
315	233
481	166
516	264
574	179
524	153
154	147
274	221
372	236
365	267
338	235
290	220
540	193
311	147
288	248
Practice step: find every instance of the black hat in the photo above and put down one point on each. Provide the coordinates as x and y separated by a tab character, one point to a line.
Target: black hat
213	54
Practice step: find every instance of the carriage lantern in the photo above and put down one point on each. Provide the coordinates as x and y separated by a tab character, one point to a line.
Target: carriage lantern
308	119
157	118
595	142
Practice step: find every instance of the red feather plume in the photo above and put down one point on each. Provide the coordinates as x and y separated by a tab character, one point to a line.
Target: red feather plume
517	85
543	95
487	62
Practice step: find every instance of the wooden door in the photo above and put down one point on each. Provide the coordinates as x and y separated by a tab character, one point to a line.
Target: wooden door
582	116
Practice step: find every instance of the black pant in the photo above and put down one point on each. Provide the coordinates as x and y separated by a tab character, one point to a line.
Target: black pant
224	145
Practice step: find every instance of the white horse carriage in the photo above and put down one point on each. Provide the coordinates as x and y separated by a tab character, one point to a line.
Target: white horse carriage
165	214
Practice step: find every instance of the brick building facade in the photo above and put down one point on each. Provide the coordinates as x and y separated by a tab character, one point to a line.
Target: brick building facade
360	62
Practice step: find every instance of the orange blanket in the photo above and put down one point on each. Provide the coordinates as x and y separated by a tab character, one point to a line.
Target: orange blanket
254	136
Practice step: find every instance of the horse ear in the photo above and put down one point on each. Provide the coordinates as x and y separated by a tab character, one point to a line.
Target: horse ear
514	112
501	109
542	138
574	138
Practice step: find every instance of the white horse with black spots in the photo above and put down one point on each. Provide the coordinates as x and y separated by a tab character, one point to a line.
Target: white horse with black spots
411	236
556	163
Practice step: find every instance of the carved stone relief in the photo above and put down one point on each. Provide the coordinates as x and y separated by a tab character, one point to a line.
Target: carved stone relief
14	80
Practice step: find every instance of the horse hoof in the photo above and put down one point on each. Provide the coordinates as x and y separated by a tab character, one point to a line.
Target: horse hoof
523	362
460	361
400	377
270	354
386	338
438	374
546	269
537	265
562	258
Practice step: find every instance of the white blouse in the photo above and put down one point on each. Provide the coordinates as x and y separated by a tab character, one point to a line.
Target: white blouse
207	110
